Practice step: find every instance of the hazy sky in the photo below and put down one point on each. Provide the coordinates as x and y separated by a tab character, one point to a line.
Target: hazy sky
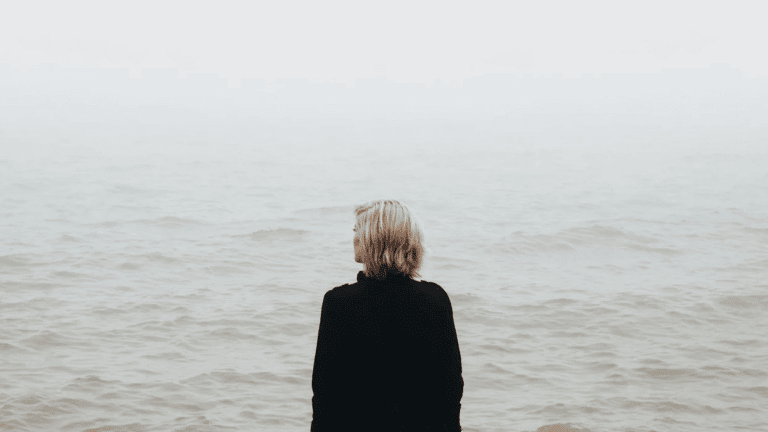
664	56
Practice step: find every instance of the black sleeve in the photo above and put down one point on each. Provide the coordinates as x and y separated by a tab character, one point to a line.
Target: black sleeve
324	400
454	383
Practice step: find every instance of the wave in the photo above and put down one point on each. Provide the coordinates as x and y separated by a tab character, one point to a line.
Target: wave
345	210
579	238
157	257
744	301
165	222
20	260
170	221
762	233
759	267
129	189
129	266
8	347
561	427
25	187
149	258
70	275
279	234
13	260
48	339
225	270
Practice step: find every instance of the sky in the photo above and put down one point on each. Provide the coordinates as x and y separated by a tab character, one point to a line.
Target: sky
695	62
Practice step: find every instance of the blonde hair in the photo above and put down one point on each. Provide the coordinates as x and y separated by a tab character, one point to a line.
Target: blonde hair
390	239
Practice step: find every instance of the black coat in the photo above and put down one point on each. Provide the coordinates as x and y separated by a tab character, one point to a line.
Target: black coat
387	358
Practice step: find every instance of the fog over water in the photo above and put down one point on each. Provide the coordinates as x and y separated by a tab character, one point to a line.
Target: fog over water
177	184
670	64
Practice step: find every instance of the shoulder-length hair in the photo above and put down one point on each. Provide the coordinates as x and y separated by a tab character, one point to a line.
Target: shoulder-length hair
390	239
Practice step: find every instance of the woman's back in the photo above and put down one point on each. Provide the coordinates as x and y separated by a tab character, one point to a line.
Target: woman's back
387	358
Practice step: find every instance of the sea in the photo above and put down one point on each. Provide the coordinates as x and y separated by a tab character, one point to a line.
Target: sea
153	279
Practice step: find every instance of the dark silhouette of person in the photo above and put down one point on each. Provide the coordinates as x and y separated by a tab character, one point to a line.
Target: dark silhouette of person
387	356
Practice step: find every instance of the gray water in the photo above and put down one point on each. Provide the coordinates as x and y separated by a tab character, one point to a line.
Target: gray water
177	287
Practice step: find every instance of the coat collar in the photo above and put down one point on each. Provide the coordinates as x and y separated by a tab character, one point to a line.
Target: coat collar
362	278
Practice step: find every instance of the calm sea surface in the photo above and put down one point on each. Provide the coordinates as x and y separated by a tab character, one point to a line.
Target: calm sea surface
178	288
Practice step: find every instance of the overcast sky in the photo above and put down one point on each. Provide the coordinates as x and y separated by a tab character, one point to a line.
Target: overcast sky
664	56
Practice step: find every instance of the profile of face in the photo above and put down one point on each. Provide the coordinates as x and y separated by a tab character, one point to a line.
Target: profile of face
356	243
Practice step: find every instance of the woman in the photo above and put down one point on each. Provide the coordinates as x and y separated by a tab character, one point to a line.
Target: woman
387	355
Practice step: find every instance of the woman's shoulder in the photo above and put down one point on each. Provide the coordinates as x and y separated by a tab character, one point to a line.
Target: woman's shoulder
422	287
343	290
431	288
